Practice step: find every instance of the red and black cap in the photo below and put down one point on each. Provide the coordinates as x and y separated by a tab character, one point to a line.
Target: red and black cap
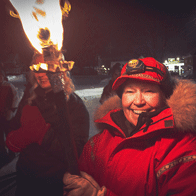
146	69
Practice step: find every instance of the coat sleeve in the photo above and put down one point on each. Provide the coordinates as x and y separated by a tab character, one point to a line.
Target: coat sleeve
87	162
15	102
14	123
79	118
178	177
176	166
12	99
32	130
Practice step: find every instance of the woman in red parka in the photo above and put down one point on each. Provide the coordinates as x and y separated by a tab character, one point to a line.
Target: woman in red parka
147	142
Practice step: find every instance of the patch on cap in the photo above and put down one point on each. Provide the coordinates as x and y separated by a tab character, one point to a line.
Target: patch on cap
133	63
135	66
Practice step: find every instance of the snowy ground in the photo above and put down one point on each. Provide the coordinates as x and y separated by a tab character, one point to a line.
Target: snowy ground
91	100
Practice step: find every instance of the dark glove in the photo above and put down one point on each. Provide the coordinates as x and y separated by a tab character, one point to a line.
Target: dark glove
32	130
82	185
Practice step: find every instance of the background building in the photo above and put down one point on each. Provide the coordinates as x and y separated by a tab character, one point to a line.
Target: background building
190	65
175	66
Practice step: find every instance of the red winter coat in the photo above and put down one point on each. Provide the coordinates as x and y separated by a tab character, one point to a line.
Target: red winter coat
158	161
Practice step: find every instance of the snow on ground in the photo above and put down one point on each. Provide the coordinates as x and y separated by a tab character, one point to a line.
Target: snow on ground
17	78
91	98
89	93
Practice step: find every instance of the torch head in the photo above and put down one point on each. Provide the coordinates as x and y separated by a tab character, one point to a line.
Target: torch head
50	60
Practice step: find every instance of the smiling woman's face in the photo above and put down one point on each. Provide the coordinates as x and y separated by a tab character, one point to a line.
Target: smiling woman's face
138	97
43	81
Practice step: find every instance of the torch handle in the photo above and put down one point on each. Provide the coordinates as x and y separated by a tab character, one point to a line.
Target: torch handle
57	81
65	134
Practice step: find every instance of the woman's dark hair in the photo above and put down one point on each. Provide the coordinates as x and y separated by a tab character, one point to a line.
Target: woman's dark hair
116	66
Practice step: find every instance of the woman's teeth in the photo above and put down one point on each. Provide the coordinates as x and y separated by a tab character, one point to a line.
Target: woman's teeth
138	111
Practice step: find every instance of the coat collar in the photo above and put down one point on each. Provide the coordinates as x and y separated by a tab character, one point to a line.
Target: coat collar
181	111
41	92
163	120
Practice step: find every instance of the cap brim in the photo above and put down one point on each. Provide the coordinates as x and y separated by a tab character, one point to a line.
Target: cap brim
120	80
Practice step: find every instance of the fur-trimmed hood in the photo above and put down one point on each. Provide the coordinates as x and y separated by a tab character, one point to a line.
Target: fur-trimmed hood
182	102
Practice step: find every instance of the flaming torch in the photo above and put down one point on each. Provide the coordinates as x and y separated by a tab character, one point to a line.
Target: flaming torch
42	24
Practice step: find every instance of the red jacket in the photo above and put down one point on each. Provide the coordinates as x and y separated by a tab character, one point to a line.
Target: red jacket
160	161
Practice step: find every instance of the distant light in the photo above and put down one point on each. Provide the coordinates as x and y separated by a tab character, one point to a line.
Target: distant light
103	66
165	62
177	58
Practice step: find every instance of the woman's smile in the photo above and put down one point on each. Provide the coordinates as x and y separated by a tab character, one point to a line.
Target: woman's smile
140	97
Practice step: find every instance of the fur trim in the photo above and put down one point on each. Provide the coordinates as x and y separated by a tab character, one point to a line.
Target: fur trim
182	102
109	104
183	105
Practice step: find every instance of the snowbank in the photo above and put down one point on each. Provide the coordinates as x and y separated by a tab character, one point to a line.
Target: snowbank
90	93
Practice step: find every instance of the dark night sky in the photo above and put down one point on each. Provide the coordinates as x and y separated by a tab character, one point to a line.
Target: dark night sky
113	28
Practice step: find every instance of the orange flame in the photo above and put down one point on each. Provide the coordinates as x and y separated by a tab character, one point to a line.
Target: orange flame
41	21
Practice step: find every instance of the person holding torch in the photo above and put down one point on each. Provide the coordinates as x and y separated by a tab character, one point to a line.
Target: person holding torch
49	130
52	123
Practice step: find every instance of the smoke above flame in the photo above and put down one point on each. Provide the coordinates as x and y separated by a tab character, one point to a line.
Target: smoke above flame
42	21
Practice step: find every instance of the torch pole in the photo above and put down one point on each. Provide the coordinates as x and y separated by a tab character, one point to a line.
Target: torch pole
57	82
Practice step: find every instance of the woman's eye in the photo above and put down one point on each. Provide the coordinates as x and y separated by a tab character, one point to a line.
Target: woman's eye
130	91
149	91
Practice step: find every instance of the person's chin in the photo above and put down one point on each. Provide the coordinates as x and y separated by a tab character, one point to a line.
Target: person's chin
132	117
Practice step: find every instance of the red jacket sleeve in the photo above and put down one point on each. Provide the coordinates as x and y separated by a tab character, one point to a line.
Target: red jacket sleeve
32	130
178	177
19	139
86	161
176	166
